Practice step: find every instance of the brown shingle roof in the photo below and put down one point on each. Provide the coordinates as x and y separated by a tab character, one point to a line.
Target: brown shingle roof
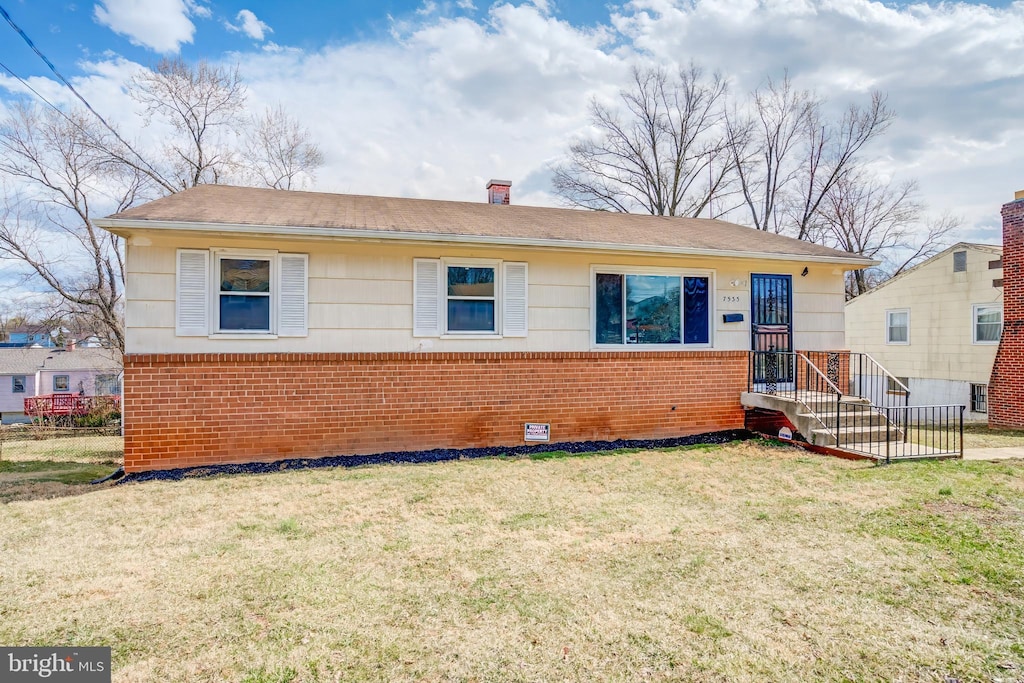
299	213
27	361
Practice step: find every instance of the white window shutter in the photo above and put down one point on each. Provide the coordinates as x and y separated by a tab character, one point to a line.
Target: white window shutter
192	310
427	298
293	295
513	304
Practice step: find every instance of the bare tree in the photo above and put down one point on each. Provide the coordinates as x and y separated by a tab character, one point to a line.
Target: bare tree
763	141
279	152
664	153
862	215
789	155
204	105
53	158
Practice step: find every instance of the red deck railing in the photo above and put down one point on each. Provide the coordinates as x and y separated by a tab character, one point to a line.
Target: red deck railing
58	405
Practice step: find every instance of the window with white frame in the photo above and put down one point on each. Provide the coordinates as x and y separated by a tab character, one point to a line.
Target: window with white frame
257	293
897	326
469	297
988	323
649	307
18	384
243	294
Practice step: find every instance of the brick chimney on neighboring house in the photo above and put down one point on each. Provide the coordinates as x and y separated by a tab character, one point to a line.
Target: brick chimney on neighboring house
498	191
1006	386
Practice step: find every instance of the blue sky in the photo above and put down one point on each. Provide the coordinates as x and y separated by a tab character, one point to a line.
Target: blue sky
433	98
69	32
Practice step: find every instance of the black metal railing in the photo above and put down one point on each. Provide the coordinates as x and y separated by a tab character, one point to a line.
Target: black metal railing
860	375
872	417
791	375
901	432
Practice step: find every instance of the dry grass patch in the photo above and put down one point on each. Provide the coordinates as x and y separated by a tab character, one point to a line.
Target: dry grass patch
982	436
739	563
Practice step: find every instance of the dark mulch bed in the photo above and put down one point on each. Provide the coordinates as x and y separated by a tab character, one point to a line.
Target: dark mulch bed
435	455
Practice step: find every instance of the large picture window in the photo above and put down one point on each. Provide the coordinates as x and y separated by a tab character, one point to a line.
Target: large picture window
651	308
988	323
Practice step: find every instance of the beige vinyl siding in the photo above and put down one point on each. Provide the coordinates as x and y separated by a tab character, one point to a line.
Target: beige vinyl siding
941	320
361	293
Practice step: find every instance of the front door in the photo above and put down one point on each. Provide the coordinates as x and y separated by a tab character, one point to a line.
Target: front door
771	328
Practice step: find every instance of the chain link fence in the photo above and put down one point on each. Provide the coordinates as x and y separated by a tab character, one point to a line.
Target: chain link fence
45	442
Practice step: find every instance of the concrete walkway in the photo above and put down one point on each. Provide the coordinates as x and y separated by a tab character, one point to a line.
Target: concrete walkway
994	453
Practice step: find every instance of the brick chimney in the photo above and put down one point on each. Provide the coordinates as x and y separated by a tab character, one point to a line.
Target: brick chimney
498	191
1006	386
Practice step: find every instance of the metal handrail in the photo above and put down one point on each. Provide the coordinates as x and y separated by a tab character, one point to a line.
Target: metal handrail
905	428
888	374
822	375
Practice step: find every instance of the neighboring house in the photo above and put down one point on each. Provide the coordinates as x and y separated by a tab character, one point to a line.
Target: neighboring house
29	372
31	336
267	324
936	327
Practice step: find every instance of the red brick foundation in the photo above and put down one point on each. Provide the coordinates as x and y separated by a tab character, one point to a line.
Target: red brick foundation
188	410
1006	385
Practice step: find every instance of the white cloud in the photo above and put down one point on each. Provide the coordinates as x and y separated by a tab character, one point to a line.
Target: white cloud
448	102
160	25
249	25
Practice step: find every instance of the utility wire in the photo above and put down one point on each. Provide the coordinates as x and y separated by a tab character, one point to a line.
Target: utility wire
70	87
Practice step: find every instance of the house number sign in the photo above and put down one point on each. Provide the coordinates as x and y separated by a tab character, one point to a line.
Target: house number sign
731	299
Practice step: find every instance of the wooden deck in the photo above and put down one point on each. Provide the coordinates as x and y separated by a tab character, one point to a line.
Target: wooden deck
70	405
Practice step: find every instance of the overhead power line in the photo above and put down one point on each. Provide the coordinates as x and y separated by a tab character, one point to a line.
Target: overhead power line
70	87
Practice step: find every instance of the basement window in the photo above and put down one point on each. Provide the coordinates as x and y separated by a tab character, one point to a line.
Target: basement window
896	385
979	398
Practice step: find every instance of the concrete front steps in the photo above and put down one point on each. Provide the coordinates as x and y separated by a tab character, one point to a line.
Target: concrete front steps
813	414
864	428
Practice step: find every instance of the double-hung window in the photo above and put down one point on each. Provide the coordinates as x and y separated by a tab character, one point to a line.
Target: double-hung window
18	384
988	323
469	298
651	308
897	326
243	294
257	293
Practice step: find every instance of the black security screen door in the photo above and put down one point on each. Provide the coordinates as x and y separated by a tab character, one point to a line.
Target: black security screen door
771	326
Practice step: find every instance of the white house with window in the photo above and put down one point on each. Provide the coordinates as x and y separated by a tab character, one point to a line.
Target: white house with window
218	276
31	372
936	326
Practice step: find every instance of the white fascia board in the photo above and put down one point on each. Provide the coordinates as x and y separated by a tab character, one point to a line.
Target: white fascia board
123	228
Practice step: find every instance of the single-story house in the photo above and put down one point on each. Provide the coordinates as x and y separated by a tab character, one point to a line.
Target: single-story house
31	372
267	324
936	327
